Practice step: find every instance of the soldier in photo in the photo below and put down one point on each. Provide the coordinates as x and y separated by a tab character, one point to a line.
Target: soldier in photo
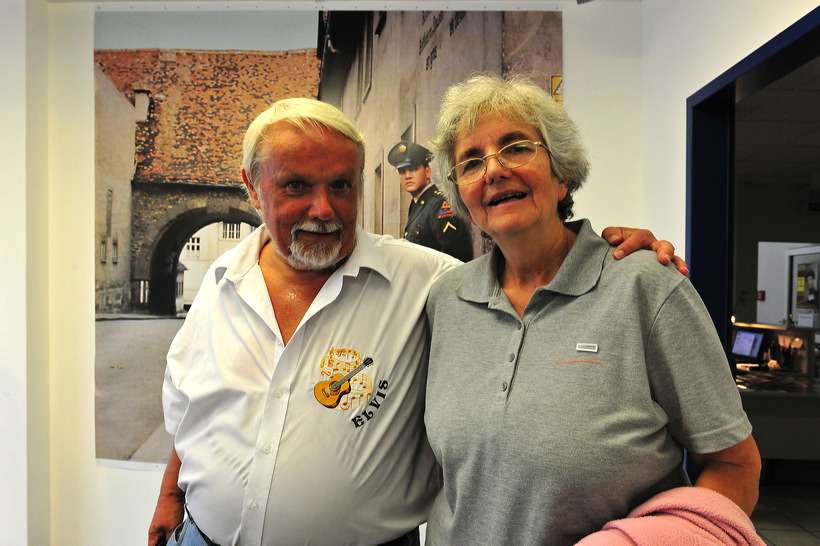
430	222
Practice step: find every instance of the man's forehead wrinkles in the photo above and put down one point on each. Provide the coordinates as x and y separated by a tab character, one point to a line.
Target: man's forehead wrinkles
287	173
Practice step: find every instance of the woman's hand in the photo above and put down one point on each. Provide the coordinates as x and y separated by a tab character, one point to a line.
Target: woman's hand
628	240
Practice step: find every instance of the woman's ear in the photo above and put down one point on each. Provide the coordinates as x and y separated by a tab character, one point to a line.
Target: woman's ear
563	189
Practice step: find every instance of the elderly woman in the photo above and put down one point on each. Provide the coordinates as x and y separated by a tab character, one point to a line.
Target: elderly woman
564	386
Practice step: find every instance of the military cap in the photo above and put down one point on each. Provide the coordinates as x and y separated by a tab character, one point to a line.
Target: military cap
409	154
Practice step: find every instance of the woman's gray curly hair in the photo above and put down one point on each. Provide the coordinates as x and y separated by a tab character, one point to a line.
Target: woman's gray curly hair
517	99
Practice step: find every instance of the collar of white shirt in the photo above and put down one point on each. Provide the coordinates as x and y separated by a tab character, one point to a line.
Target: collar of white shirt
364	255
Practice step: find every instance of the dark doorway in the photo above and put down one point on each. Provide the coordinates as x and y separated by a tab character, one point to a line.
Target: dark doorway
711	238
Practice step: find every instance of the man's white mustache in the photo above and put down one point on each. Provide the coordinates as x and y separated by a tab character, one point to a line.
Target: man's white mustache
317	227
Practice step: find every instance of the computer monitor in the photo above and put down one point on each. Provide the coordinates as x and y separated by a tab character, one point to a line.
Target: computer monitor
748	346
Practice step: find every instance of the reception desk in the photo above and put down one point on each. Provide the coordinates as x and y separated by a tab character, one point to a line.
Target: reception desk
783	404
784	409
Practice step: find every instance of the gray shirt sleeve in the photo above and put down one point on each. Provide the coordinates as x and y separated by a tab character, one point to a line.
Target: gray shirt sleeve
695	387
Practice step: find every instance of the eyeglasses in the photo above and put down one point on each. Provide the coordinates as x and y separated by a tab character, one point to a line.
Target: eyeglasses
510	156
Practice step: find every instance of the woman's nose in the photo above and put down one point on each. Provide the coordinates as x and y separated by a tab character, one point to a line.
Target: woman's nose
495	169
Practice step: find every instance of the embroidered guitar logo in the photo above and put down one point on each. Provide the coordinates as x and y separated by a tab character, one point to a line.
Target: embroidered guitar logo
330	392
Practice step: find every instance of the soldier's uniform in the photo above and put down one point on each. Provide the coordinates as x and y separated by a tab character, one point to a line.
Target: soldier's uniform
430	222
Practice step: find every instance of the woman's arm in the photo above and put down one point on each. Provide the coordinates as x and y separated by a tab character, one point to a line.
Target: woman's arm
733	472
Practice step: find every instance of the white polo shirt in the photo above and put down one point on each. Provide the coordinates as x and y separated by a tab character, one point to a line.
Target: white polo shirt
263	460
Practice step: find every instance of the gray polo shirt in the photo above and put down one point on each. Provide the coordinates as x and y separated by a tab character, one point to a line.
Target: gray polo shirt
550	425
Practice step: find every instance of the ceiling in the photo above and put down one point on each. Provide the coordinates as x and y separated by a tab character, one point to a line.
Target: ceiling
777	130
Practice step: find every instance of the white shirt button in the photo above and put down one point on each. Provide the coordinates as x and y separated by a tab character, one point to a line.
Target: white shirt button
254	505
266	449
278	393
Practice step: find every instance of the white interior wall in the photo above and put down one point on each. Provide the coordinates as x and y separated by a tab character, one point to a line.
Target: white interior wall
686	45
87	500
634	126
13	381
37	276
602	74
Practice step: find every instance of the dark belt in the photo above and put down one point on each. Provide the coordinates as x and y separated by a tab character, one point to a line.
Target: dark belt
207	540
410	539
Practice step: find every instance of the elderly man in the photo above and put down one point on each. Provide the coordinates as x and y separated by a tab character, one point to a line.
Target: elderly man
430	222
294	389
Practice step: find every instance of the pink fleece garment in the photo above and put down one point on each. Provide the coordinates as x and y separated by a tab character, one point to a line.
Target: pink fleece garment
680	516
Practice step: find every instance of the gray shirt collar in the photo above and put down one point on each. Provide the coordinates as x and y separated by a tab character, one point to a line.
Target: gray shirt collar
578	274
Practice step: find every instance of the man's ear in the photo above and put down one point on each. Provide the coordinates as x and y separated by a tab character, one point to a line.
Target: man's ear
251	190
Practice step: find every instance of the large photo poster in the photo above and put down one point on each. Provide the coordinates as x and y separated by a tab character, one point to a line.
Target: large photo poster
807	286
169	195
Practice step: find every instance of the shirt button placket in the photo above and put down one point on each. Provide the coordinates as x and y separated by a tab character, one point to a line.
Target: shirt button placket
516	340
510	371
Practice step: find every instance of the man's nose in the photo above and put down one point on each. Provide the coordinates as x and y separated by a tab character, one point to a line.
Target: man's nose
321	208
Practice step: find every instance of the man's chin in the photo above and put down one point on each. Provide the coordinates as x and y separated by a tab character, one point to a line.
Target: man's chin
311	265
315	259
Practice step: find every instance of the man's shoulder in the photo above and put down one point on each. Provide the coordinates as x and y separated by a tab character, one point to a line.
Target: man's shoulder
438	206
402	255
436	195
471	272
435	190
431	196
